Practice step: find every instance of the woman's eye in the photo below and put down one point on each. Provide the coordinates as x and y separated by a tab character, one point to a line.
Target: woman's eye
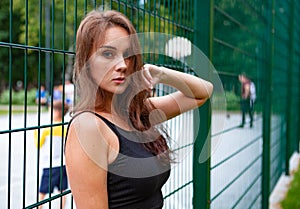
108	54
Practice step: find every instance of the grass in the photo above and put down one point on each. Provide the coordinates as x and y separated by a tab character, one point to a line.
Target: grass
19	109
292	199
5	112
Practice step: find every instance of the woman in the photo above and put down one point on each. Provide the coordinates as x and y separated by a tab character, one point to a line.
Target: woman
115	156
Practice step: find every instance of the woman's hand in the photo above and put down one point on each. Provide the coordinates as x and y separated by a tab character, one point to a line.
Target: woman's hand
192	90
152	75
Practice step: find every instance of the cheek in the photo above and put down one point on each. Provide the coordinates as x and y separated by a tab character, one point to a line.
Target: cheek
99	70
100	76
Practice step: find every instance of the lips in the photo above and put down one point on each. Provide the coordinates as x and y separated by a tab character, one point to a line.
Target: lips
119	80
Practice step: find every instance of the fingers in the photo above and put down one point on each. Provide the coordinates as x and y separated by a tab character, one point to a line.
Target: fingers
147	76
152	74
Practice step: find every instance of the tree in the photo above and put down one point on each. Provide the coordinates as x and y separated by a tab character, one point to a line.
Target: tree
31	35
6	37
238	28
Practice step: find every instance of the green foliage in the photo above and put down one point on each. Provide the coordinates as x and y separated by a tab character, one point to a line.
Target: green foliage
18	98
292	200
29	28
236	51
7	35
232	100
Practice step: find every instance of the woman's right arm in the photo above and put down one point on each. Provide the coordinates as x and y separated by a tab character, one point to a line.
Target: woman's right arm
86	161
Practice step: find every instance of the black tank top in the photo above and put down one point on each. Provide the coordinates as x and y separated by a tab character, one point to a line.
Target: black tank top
135	178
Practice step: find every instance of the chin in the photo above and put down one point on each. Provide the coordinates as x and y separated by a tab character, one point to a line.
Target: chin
119	90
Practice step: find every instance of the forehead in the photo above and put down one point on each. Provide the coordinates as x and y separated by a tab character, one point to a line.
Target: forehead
117	37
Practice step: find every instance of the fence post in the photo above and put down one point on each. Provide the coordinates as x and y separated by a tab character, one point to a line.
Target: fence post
289	138
269	53
297	61
203	26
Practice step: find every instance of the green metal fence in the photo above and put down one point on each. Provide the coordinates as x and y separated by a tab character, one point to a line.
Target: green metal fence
259	38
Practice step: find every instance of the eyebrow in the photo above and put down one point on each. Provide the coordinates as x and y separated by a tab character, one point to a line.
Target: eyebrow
109	47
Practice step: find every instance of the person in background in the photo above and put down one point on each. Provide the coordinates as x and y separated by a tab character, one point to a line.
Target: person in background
69	91
117	153
57	92
246	104
252	96
41	96
51	143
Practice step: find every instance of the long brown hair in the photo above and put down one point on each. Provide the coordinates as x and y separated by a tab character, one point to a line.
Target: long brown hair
90	35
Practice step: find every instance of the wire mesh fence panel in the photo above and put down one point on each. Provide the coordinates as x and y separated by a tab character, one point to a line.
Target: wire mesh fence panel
258	39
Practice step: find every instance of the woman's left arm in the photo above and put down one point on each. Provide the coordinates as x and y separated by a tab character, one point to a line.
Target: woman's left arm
192	91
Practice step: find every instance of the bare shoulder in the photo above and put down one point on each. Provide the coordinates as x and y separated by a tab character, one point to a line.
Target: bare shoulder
94	137
87	160
87	124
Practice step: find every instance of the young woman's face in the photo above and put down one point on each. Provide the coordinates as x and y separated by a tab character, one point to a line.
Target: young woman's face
110	64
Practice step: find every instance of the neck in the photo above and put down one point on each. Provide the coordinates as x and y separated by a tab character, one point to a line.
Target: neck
106	102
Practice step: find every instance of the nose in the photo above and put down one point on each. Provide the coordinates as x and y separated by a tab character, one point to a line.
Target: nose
121	65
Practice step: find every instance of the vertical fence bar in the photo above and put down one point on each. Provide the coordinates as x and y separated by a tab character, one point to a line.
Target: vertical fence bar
10	105
51	73
269	53
289	106
39	98
25	103
297	17
296	68
297	60
47	44
63	97
203	22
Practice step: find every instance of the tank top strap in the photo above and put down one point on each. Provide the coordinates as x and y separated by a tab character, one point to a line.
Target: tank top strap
107	122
